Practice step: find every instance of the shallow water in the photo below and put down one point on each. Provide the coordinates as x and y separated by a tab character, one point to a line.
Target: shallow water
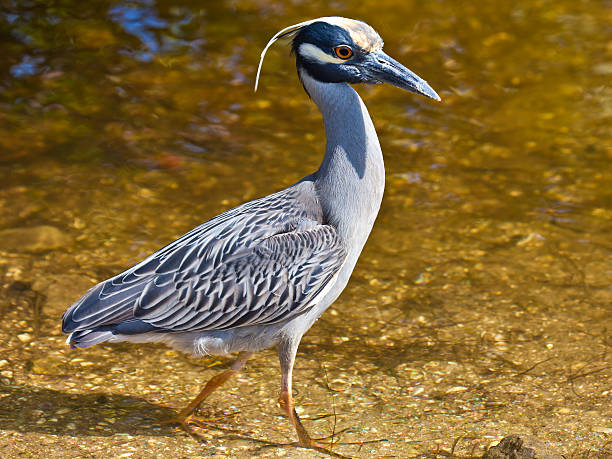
481	305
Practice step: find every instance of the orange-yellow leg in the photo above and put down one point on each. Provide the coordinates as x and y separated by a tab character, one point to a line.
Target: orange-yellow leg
186	416
304	439
286	354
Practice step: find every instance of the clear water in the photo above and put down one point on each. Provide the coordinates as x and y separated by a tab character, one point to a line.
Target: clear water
481	305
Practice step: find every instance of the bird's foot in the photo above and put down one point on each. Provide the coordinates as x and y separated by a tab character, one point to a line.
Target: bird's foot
304	439
191	419
323	444
317	445
187	416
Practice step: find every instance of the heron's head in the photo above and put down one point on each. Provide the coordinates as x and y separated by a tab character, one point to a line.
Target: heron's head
336	49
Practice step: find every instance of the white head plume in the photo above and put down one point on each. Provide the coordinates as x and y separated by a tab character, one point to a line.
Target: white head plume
289	30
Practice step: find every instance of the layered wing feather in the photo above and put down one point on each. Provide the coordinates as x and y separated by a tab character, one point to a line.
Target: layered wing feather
260	263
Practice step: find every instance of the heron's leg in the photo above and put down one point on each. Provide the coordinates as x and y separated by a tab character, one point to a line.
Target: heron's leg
186	415
286	355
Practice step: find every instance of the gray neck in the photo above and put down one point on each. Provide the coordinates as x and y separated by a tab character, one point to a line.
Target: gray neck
351	179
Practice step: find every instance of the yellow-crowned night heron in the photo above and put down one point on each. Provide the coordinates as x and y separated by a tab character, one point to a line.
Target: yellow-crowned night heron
261	274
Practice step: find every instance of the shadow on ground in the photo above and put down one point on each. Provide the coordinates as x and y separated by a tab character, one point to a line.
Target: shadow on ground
33	409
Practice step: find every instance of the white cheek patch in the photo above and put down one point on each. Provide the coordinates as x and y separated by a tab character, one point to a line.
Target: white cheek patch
315	54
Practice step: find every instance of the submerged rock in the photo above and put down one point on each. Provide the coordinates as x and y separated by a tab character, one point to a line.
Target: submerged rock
61	290
521	447
34	239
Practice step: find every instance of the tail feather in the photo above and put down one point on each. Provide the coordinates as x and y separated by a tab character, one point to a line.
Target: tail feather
87	338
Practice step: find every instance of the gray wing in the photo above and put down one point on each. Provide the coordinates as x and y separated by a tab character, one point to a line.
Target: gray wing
259	263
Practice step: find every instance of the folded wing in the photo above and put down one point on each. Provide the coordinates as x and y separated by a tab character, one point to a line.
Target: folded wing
256	264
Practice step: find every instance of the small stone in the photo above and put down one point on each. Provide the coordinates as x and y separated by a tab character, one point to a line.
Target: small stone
145	193
25	337
455	389
262	103
603	68
531	239
422	279
521	447
3	363
411	451
35	239
78	223
602	429
417	391
6	374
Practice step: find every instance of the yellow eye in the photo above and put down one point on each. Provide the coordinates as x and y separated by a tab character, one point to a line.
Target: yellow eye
343	52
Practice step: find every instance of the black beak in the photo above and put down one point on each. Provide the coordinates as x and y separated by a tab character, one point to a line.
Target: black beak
378	67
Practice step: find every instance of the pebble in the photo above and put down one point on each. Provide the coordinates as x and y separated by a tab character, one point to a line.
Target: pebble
422	279
25	337
521	447
33	239
417	391
3	363
456	389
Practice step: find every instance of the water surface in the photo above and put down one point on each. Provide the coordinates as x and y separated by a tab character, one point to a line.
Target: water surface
480	307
